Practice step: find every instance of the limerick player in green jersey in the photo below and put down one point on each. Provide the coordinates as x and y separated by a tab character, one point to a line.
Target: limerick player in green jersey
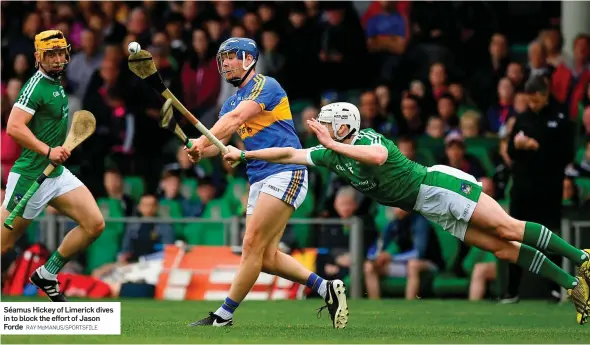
449	197
39	123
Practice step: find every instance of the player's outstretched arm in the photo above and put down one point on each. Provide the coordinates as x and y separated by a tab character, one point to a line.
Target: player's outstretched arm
367	154
281	155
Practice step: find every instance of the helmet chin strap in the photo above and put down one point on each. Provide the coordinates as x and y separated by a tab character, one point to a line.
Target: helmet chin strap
238	81
350	134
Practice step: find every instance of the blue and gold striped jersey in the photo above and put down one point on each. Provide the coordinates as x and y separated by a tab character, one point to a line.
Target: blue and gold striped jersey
273	127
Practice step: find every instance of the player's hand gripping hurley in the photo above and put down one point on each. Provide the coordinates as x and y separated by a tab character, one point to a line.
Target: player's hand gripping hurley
167	121
83	125
142	65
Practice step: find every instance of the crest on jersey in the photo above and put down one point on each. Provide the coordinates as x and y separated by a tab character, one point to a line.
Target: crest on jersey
465	188
17	198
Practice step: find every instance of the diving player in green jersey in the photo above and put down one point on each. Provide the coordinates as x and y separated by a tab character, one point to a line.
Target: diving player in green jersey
39	123
449	197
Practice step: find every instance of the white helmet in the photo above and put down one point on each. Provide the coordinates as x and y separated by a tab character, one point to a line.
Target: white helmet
341	113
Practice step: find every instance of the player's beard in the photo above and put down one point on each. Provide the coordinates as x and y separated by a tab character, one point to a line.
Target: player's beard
54	70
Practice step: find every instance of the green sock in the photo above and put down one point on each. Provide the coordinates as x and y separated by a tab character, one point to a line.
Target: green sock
55	263
533	260
540	237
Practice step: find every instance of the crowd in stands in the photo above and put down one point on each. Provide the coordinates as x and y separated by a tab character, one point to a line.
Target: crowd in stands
444	80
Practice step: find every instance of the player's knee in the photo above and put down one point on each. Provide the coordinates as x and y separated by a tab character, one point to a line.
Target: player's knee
508	252
94	227
269	261
251	246
509	230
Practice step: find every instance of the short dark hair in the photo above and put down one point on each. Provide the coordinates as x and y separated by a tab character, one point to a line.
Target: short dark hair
407	139
536	84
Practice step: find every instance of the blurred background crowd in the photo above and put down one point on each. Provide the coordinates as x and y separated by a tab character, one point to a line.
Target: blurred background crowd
444	80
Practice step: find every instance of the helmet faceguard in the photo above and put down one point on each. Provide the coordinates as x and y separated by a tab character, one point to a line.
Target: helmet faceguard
51	40
238	48
341	114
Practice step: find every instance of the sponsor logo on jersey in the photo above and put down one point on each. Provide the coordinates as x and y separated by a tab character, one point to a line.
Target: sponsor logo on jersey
55	93
465	188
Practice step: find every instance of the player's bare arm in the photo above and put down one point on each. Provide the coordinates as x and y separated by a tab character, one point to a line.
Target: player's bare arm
369	154
224	128
281	155
18	130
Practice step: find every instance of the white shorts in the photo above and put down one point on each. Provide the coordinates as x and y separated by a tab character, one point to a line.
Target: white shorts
448	197
51	188
289	186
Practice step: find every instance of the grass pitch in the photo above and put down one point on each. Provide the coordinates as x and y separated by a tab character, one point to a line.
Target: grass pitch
387	321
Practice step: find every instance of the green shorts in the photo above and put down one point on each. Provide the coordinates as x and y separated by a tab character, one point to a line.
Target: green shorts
18	185
448	197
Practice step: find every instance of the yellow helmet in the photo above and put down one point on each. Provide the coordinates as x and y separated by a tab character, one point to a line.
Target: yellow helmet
51	40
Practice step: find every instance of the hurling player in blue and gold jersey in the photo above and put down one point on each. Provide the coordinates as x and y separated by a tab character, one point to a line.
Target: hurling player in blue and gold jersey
260	113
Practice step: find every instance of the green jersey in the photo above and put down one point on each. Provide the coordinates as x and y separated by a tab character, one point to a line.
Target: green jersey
45	99
395	183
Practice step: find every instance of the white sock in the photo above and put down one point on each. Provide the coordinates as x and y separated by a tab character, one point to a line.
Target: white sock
226	315
45	274
322	290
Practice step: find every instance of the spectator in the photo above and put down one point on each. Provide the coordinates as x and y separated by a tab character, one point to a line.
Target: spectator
412	123
201	82
302	51
371	118
84	63
537	60
272	59
386	41
438	80
456	157
12	90
343	48
22	42
581	168
22	68
113	185
580	72
138	24
463	101
308	138
552	40
383	99
515	73
419	250
498	114
520	103
206	191
447	111
435	128
469	125
174	30
121	131
145	238
335	238
485	78
170	190
570	196
251	24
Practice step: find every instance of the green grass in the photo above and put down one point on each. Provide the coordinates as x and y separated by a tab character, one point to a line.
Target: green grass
387	321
